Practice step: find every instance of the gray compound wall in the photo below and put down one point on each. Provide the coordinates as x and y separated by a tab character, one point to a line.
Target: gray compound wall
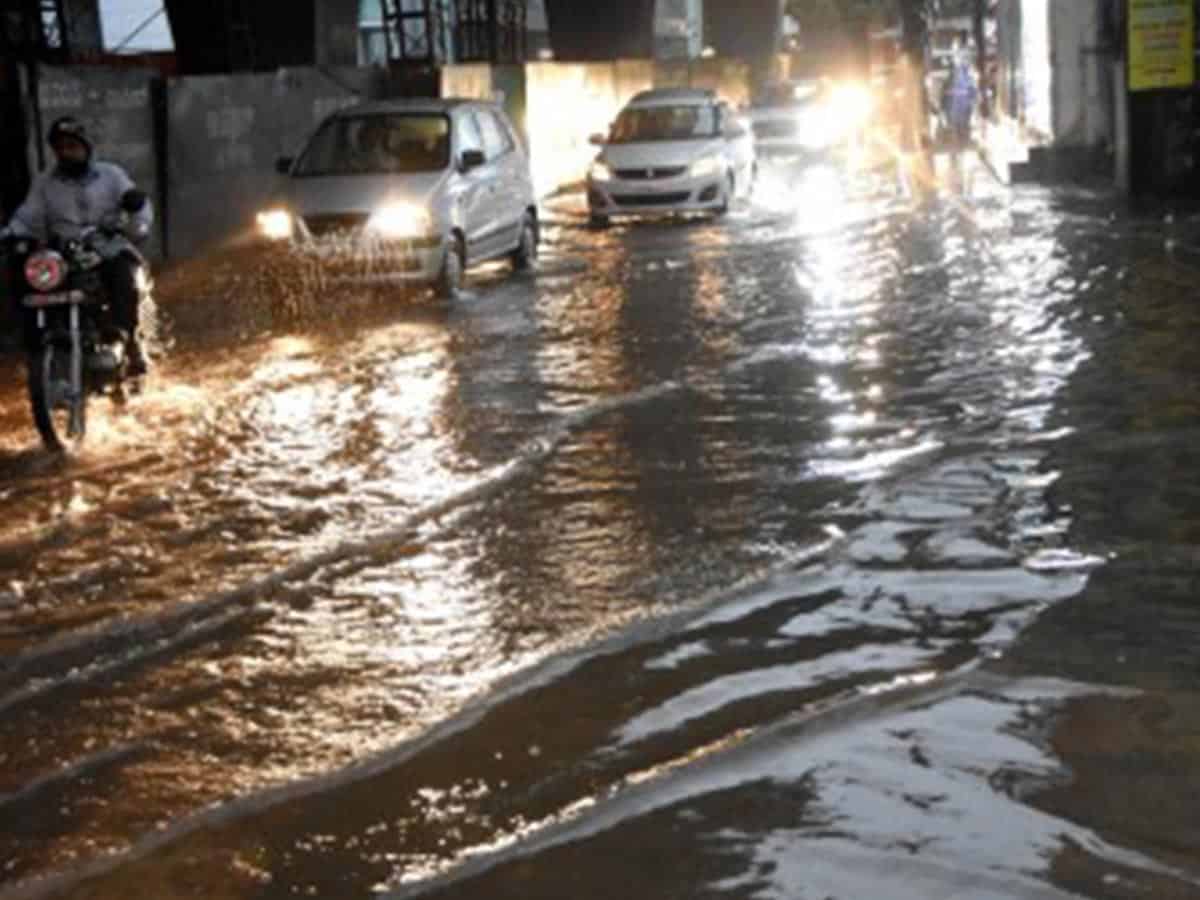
224	134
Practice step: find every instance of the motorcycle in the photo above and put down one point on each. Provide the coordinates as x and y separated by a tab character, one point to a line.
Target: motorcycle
79	352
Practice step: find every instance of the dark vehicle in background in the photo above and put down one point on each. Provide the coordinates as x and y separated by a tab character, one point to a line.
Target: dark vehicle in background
805	122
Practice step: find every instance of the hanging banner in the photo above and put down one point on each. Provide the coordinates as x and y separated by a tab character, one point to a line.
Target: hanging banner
1161	44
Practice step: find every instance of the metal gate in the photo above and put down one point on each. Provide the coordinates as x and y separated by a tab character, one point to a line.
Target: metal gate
431	32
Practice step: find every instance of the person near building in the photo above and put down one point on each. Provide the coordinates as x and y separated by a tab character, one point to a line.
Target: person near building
80	193
958	104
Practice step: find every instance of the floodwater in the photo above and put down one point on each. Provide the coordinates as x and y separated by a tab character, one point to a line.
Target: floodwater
845	548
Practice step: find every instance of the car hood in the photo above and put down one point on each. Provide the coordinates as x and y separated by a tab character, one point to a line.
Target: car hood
319	194
659	153
775	113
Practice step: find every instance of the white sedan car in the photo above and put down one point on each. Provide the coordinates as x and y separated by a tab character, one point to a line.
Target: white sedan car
671	151
409	191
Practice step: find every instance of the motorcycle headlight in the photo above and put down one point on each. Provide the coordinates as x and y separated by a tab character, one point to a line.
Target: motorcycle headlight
275	224
707	167
600	171
400	220
45	271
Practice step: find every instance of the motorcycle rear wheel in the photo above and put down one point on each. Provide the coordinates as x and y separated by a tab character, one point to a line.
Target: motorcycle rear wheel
51	399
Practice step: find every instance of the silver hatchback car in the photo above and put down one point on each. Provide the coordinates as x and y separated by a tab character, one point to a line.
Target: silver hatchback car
411	190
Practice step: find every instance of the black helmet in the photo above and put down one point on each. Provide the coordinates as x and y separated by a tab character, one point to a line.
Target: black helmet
69	126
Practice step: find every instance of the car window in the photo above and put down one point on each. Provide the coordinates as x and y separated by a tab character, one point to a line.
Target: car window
378	144
496	139
469	137
664	123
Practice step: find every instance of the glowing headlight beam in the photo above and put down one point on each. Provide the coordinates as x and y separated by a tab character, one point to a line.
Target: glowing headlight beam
401	220
275	224
852	102
706	167
600	171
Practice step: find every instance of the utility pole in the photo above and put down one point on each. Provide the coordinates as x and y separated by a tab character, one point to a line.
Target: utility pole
979	16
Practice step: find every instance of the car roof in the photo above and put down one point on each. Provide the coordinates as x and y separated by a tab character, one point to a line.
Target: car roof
668	96
411	105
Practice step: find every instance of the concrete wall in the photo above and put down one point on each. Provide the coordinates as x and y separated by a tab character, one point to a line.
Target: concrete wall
473	80
746	29
1064	93
568	102
83	24
505	85
730	78
1037	81
336	33
1082	98
1122	147
224	133
1010	86
596	32
679	29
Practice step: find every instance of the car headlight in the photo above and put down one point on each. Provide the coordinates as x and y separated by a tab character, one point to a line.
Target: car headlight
600	171
853	103
275	224
816	129
400	220
707	167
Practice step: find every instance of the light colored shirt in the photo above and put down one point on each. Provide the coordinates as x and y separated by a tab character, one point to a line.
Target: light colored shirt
62	207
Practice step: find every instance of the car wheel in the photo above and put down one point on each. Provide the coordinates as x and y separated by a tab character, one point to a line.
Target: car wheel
525	256
450	278
727	198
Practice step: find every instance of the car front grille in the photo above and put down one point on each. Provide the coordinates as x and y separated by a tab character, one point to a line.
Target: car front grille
651	173
651	199
334	223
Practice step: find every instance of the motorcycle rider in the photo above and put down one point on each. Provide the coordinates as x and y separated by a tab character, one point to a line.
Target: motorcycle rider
78	193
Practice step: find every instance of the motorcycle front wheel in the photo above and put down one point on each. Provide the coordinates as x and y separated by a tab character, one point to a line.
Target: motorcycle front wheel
59	412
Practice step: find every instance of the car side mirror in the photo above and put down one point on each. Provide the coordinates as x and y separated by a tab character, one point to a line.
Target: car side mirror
597	140
133	201
472	159
283	165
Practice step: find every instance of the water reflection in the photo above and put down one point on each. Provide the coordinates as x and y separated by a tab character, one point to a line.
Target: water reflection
679	426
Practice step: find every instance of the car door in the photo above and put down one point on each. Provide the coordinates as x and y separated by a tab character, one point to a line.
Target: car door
474	199
505	162
518	172
738	139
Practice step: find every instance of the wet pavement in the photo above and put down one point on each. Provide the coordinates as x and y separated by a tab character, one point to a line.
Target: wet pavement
841	549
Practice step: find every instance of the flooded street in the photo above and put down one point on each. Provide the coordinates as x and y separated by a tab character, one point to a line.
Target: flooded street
835	550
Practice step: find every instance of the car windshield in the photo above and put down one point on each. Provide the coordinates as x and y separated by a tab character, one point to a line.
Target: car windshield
664	123
379	144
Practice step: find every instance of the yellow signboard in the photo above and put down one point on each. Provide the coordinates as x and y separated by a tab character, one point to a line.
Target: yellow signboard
1162	41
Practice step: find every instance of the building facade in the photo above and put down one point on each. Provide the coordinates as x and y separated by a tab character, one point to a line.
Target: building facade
1104	86
678	29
